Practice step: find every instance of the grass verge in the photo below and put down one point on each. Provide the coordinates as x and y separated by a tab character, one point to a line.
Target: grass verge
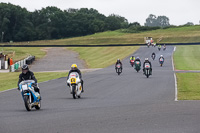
10	80
21	53
101	57
187	57
188	86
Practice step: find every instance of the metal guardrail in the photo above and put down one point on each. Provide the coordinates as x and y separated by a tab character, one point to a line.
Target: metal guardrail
103	45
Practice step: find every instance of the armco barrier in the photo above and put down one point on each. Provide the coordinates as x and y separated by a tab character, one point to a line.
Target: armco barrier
98	45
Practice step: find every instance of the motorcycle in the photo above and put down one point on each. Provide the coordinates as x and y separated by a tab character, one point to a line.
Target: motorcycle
147	70
161	60
148	45
74	83
118	69
164	48
153	57
159	48
132	62
30	97
137	66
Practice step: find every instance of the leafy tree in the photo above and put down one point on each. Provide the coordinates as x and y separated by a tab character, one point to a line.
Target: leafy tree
163	21
189	24
153	21
53	23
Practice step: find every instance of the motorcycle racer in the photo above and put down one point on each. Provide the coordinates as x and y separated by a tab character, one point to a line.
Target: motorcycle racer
28	75
74	68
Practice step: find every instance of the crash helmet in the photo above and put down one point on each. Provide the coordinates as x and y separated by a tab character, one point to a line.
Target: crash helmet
146	59
161	55
74	67
138	57
25	69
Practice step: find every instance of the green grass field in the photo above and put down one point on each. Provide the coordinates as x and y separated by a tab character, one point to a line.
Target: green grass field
103	56
10	80
188	86
187	57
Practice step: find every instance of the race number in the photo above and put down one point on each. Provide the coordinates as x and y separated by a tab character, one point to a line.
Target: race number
73	80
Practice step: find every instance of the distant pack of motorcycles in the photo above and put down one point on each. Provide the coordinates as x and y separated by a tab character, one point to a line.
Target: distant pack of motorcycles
146	67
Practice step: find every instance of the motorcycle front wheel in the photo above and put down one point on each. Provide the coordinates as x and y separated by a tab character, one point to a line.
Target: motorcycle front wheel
27	103
38	106
74	91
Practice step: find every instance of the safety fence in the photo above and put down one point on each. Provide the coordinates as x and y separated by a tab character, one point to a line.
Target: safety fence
29	60
98	45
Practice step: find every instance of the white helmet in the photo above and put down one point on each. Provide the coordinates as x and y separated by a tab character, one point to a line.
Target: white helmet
146	59
161	55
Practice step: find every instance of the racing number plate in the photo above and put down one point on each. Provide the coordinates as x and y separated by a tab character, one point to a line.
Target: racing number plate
24	87
73	80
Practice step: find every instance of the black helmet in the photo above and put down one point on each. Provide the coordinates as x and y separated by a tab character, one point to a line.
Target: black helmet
25	69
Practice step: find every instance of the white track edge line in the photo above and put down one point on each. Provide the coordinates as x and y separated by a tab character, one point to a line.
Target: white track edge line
175	78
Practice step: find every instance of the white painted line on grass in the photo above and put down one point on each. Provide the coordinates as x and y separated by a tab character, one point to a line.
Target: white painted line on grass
175	79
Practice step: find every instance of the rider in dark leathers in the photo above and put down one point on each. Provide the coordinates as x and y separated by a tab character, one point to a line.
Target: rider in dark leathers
153	54
138	59
118	62
74	68
28	75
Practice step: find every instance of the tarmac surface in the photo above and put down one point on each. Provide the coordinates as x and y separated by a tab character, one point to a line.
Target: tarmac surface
128	103
57	59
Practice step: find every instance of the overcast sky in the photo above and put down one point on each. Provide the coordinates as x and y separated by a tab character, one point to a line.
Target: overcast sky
178	11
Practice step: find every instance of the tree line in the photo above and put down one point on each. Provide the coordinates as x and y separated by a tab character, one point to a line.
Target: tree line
18	24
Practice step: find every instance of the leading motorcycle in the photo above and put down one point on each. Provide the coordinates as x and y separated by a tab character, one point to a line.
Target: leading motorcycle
74	83
30	96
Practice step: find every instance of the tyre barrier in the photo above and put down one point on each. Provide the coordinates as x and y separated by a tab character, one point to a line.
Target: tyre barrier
29	60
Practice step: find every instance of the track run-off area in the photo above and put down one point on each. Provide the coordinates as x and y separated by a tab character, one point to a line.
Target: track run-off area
128	103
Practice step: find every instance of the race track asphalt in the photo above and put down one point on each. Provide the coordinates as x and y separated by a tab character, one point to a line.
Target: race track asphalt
128	103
